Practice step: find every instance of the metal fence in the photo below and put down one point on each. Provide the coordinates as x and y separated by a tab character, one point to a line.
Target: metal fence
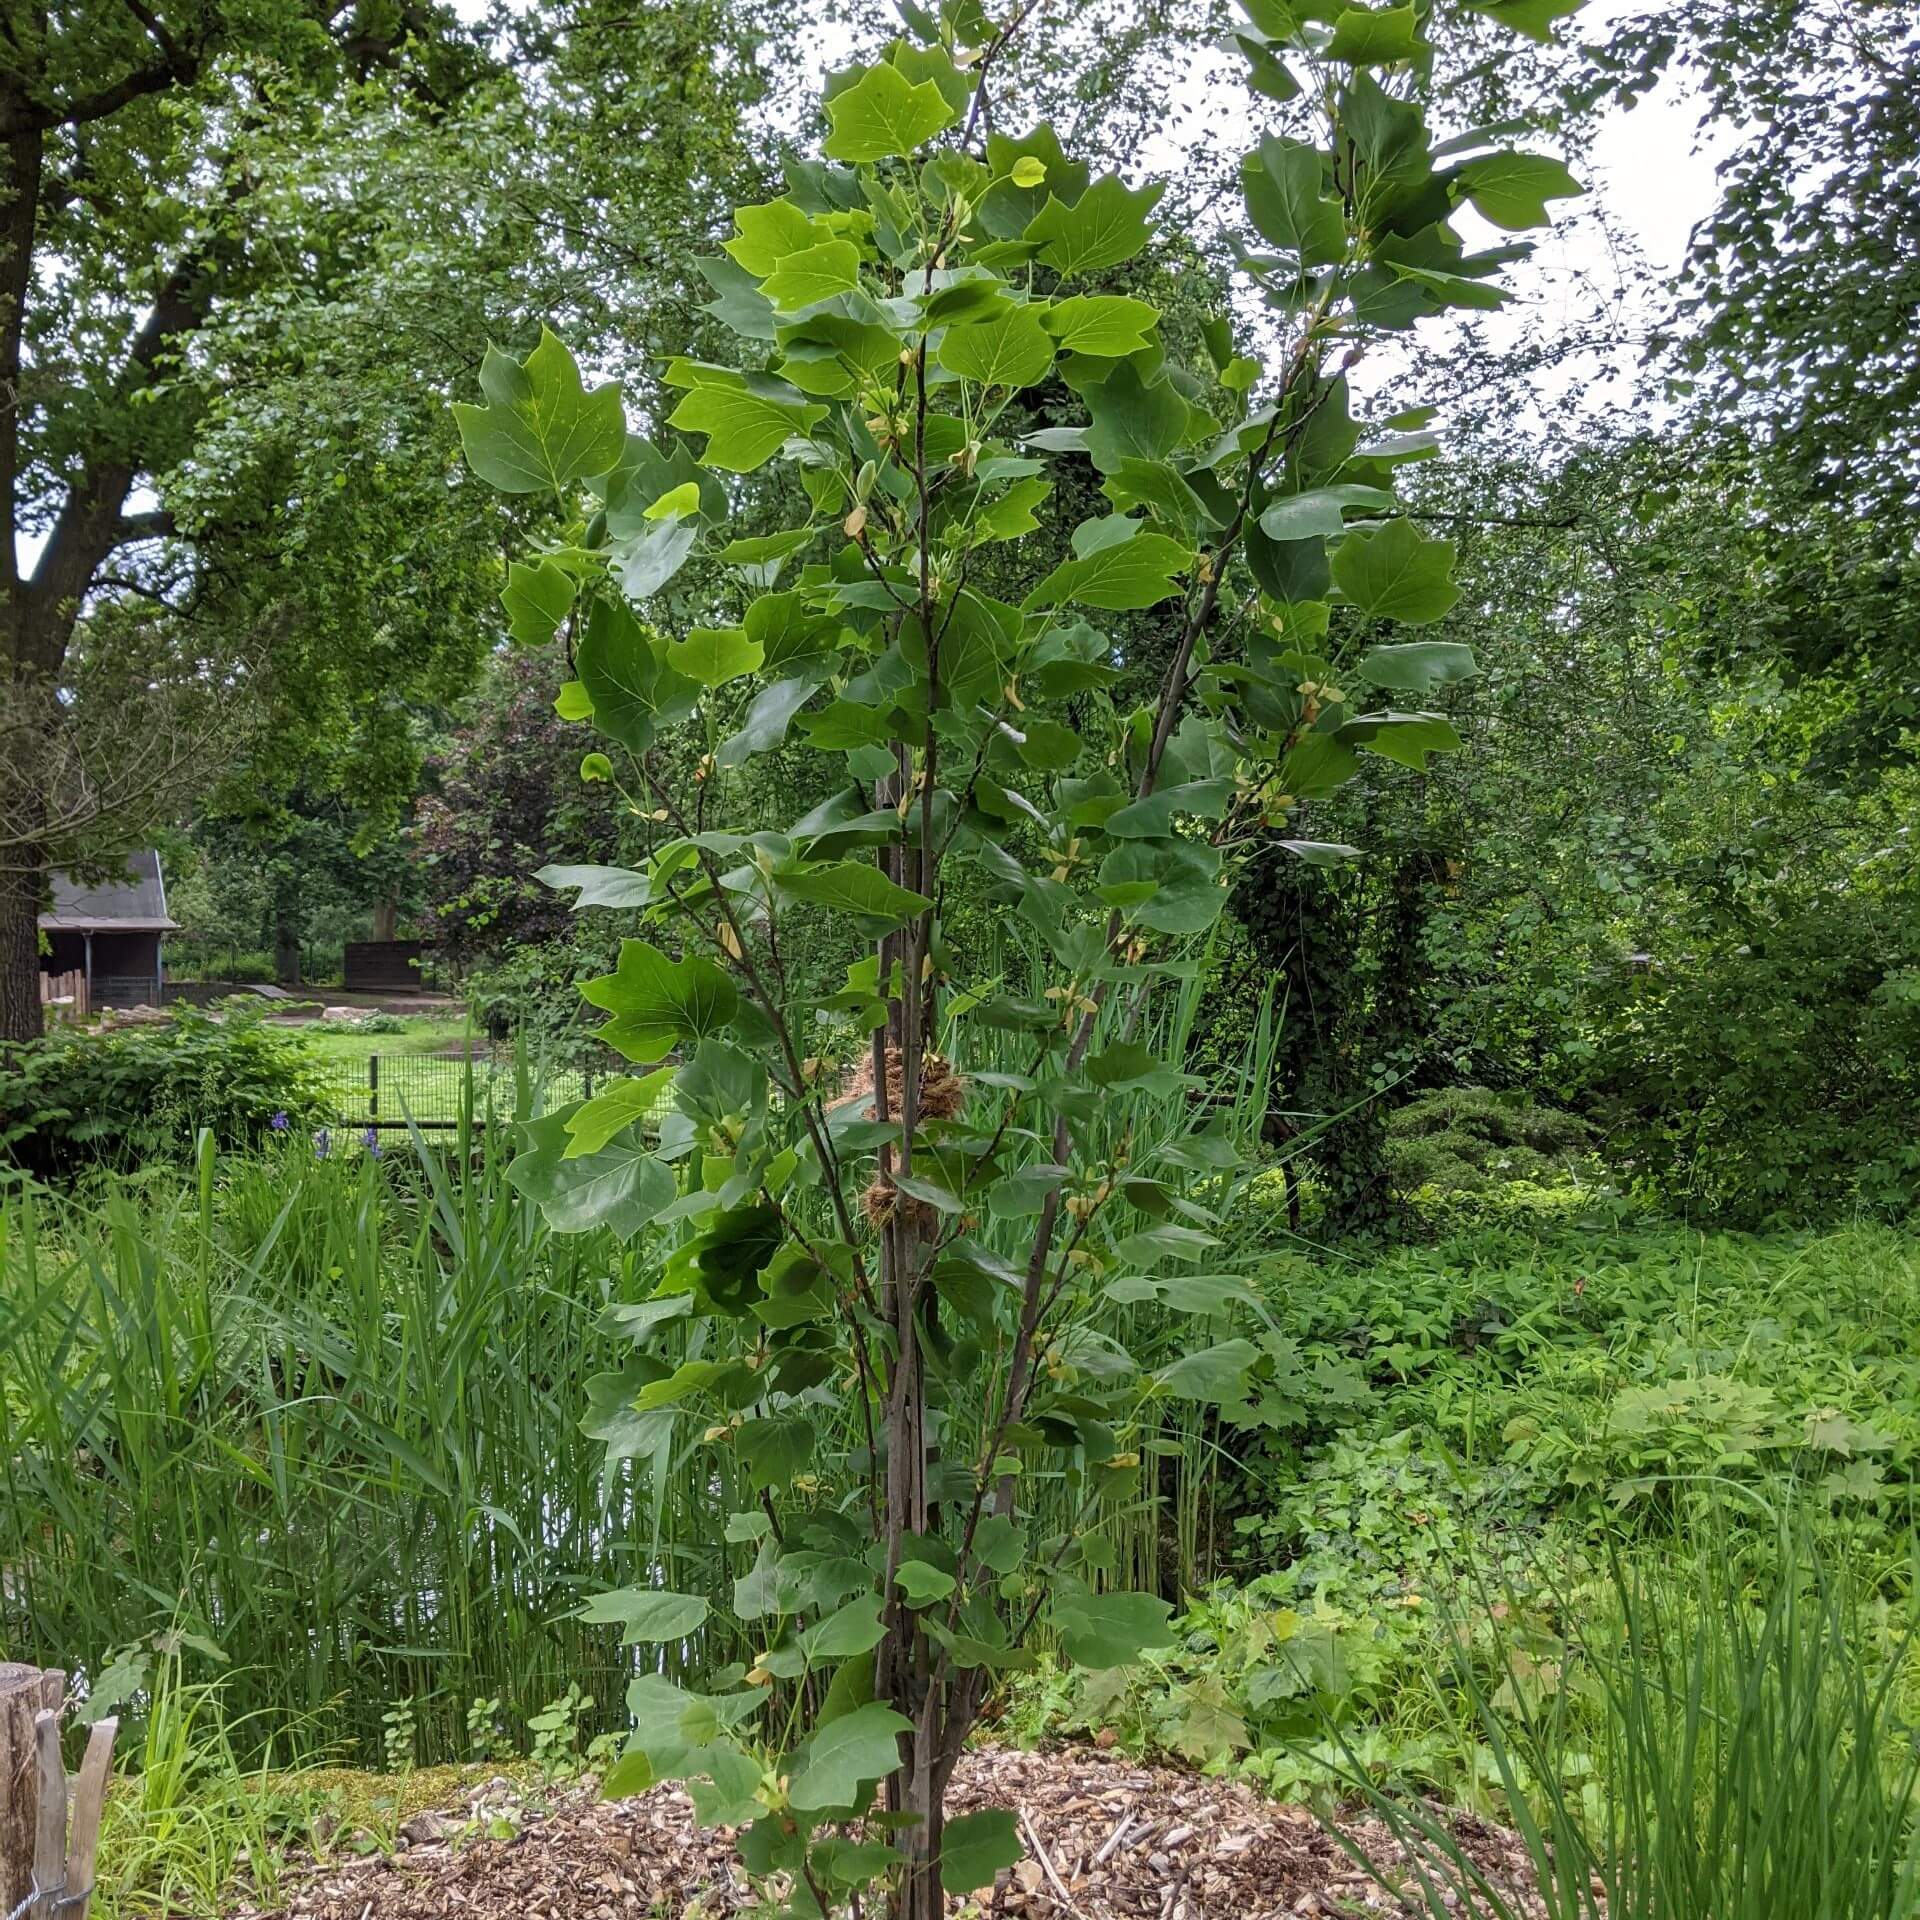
392	1091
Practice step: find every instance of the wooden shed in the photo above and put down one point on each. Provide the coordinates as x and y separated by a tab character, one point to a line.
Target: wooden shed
111	933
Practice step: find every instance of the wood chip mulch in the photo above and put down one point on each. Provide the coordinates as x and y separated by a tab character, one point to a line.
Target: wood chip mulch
1106	1839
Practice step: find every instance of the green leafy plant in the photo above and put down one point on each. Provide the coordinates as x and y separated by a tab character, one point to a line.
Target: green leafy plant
79	1099
929	1243
399	1737
556	1733
486	1735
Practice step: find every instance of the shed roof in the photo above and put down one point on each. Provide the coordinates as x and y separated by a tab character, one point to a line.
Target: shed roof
137	904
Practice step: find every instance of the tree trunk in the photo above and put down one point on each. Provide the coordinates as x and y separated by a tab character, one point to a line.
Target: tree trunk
386	918
19	956
286	949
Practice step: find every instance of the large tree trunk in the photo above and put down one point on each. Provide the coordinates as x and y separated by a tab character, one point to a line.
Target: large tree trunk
386	919
19	955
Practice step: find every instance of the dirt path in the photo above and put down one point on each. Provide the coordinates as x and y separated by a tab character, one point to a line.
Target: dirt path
1106	1840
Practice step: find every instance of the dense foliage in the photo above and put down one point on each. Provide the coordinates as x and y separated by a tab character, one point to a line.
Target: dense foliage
145	1093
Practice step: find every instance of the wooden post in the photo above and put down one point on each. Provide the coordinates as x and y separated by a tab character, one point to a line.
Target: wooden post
43	1859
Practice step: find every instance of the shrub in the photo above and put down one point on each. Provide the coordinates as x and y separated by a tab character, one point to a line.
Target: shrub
1465	1139
78	1097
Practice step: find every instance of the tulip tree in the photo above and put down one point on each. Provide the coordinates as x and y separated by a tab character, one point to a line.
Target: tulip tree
923	1254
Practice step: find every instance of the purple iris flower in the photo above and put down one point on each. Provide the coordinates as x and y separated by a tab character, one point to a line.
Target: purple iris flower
322	1141
280	1123
372	1139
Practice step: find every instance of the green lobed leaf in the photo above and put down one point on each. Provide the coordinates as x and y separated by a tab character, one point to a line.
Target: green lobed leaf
537	599
813	274
976	1847
1106	1629
854	886
883	115
1106	225
1140	572
1418	666
659	1001
1512	189
1106	324
649	1615
1011	350
541	431
622	1187
1397	573
846	1754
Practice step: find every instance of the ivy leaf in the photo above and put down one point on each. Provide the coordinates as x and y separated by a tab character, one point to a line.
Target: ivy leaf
1107	1629
975	1847
621	1188
1418	666
884	114
852	886
1140	572
1107	324
1512	189
650	1615
1012	350
1285	185
659	1001
1106	225
846	1754
813	274
537	599
1397	574
541	431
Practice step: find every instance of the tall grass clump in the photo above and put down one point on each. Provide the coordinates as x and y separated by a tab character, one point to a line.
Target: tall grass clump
1723	1742
324	1408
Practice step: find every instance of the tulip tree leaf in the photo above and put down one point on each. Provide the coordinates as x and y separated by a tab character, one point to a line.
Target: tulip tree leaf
1140	572
1107	1629
884	114
1512	189
1011	350
540	431
1397	574
847	1753
622	1187
976	1847
1106	225
649	1615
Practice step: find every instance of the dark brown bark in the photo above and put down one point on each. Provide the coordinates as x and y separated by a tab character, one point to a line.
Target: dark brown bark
19	956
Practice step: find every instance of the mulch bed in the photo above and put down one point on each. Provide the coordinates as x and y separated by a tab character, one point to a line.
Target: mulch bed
1106	1839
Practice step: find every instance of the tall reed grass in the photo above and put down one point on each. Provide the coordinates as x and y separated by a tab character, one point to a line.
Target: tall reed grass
1728	1738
